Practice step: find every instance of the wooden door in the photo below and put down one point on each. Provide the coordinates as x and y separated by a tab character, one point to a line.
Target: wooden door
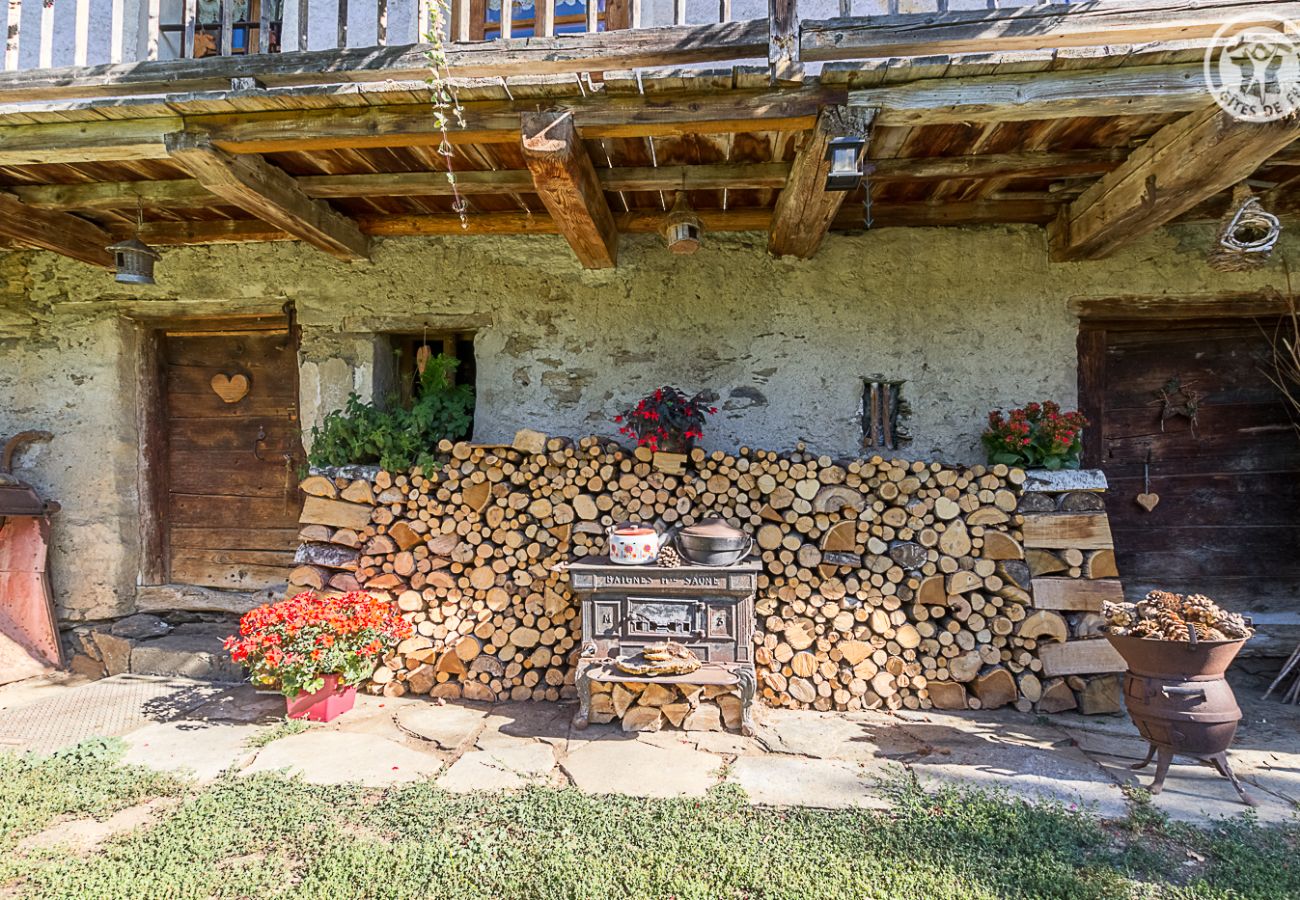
233	451
1227	523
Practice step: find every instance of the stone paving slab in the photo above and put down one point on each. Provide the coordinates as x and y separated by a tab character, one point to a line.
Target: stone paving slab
504	767
446	727
835	736
322	756
640	769
799	781
1194	793
204	749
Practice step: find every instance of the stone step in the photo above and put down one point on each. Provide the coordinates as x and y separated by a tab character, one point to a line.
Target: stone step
142	647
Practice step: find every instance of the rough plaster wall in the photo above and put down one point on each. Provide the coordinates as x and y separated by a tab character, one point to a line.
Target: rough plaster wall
73	376
971	319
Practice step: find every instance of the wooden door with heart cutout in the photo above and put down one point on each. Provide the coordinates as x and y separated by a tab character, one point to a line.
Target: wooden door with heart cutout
233	451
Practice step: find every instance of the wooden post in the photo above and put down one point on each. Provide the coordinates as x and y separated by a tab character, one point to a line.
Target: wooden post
302	24
545	12
191	14
341	39
381	22
507	18
593	16
724	10
228	28
679	12
264	26
460	20
783	41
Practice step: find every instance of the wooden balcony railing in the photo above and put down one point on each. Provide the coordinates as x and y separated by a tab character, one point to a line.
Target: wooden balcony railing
57	33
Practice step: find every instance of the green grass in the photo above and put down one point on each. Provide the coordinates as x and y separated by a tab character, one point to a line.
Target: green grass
283	729
265	836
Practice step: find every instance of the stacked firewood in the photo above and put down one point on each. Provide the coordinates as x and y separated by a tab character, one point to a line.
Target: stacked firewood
885	583
1165	616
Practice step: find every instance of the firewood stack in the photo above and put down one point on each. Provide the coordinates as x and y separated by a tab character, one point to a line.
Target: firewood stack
886	583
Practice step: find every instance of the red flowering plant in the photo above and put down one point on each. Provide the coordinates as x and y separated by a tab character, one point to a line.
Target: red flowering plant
298	641
1038	436
667	420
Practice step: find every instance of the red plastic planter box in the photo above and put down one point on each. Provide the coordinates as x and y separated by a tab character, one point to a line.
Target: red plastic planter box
330	702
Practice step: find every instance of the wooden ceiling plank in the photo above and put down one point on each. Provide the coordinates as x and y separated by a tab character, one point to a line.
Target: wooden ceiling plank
1181	165
805	209
60	232
1036	27
269	193
565	180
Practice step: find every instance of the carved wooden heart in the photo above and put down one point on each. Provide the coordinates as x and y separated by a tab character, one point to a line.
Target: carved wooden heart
230	388
1148	501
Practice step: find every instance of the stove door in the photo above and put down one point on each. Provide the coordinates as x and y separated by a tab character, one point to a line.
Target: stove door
663	618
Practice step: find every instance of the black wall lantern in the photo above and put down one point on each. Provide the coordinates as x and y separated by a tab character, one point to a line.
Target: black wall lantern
845	156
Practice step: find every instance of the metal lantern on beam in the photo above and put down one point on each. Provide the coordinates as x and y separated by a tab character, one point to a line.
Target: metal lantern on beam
682	229
845	157
133	261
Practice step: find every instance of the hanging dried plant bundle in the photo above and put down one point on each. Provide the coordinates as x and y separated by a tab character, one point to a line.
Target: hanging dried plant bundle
1164	616
1247	234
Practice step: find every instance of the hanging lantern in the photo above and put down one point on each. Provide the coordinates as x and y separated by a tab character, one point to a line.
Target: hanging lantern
682	228
845	156
133	259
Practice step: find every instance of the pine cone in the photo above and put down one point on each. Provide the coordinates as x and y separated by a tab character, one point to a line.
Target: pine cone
668	558
1201	609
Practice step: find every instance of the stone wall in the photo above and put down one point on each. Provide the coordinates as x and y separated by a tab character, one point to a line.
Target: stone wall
885	583
969	319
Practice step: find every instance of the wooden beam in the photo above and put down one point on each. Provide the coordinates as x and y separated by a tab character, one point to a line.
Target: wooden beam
60	232
1132	91
648	221
674	45
299	130
805	209
566	182
259	188
187	193
1181	165
1036	27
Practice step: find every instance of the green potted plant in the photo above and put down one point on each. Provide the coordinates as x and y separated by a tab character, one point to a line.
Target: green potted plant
1039	436
317	649
668	423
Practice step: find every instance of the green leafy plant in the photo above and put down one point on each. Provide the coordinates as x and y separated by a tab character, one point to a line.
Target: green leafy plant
1037	436
397	438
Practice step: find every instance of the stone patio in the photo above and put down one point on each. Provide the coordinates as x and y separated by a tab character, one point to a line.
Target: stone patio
798	758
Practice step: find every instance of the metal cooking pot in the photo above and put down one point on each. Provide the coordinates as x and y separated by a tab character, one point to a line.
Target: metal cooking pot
712	542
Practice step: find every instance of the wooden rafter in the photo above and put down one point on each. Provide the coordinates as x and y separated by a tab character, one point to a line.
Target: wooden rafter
805	209
1182	164
259	188
565	180
60	232
1034	27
